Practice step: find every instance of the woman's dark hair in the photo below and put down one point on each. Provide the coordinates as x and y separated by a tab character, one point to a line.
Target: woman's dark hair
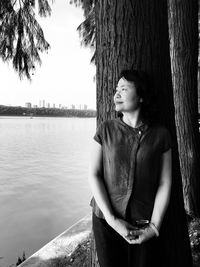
144	89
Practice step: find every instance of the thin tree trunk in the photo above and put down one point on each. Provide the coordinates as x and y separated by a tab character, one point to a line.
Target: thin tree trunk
134	34
183	31
198	80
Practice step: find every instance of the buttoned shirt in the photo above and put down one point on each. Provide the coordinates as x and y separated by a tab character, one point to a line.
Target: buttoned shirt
132	160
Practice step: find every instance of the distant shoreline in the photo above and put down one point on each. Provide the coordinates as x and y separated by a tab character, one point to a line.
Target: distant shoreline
41	116
45	112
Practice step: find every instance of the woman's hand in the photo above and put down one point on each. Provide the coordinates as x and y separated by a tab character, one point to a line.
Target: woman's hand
144	234
123	228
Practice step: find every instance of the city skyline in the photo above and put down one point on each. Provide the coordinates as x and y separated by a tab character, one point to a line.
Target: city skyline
44	104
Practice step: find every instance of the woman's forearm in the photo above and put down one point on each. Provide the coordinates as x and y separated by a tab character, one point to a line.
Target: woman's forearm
163	193
100	195
161	204
96	181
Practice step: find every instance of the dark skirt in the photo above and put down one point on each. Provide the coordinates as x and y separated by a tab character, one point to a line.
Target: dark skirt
114	251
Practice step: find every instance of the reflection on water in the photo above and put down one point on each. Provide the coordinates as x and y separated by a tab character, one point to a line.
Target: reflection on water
43	180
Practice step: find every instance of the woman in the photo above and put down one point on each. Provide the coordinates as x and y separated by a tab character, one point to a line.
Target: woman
130	178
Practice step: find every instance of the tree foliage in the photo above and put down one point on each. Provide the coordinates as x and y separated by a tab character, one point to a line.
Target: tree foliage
21	36
87	27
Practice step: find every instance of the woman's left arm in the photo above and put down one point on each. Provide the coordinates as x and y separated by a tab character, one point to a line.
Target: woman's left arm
164	189
161	200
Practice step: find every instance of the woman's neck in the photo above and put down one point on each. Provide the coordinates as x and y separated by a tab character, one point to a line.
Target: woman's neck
133	119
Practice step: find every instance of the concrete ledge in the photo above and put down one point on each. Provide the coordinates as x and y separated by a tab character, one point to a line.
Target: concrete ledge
71	248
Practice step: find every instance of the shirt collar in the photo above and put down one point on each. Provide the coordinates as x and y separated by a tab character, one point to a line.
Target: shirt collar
143	127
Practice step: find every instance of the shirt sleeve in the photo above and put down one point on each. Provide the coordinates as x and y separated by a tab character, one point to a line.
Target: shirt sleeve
167	141
98	137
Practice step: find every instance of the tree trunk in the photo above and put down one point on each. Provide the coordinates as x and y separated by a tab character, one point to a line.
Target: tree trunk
183	31
134	34
198	80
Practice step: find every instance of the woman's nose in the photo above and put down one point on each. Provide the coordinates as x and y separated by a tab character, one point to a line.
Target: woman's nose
117	94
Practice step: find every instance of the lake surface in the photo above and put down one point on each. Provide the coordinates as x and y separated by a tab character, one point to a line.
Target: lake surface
43	180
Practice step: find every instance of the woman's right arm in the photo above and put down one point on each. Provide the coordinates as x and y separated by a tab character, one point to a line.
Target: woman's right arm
96	181
100	193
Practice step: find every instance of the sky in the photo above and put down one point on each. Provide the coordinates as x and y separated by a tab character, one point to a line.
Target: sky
66	75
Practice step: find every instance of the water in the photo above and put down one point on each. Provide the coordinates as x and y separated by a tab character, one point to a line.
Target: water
43	180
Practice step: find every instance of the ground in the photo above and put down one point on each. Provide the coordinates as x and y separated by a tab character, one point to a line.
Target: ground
194	234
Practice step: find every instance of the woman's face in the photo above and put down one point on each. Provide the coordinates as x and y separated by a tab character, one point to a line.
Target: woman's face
126	98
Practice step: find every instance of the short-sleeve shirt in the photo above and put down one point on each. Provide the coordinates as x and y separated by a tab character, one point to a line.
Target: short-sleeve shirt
131	166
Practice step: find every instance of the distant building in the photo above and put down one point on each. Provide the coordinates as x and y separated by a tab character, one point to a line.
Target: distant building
80	106
60	106
48	105
28	105
54	105
43	103
40	103
35	106
73	106
85	106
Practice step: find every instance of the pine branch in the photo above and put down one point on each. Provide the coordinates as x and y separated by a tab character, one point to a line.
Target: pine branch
44	8
87	27
86	5
21	37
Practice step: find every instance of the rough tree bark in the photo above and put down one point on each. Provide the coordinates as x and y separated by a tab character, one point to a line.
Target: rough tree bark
134	34
183	32
131	34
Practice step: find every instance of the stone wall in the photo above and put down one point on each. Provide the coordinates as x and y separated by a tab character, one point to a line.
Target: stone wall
74	247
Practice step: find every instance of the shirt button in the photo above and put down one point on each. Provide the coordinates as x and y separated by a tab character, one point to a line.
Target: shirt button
139	132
